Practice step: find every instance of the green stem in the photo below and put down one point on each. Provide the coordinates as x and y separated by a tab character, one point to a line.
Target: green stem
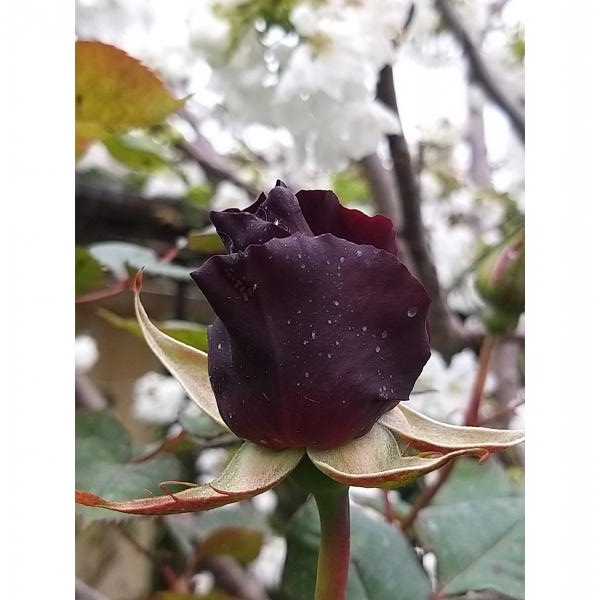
334	553
334	512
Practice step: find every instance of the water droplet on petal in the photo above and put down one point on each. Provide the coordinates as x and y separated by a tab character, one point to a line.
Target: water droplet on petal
377	349
384	334
412	311
306	374
336	303
329	356
219	346
364	327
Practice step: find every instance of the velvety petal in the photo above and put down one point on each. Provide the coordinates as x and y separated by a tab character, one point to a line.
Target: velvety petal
316	339
375	460
188	365
251	471
282	208
325	214
240	229
424	433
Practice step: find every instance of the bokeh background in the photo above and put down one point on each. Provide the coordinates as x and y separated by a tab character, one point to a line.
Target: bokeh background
304	92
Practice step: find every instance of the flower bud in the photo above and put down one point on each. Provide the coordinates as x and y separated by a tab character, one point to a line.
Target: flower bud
500	279
320	330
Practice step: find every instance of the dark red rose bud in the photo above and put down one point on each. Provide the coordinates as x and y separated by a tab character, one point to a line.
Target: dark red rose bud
320	329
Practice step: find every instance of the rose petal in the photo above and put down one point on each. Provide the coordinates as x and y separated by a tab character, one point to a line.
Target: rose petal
253	469
318	338
375	460
325	214
188	365
240	229
424	433
282	208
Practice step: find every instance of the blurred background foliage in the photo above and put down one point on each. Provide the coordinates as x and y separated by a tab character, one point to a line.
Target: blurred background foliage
413	110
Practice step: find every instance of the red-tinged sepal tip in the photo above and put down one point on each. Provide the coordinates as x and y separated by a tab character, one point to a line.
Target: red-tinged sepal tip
137	283
88	499
484	456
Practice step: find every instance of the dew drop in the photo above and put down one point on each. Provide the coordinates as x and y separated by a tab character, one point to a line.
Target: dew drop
412	311
305	342
384	334
337	342
377	349
328	355
299	255
306	374
219	346
359	253
303	266
328	262
364	327
342	259
329	321
289	322
336	303
313	335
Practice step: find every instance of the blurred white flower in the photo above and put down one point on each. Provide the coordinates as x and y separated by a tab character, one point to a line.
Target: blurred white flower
518	420
164	184
157	398
203	583
266	502
268	566
210	463
229	195
86	353
446	389
430	565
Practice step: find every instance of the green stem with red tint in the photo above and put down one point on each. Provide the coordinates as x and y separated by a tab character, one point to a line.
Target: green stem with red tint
334	553
334	513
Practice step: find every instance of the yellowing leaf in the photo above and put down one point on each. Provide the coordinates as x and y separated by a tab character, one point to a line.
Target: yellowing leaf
114	92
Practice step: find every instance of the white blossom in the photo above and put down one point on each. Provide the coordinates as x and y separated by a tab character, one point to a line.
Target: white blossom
268	566
203	583
157	398
210	463
443	391
266	502
86	353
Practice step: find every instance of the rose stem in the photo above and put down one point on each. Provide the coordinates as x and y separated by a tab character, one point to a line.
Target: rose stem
334	553
485	357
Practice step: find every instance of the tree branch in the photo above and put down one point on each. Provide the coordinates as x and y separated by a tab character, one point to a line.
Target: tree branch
448	336
480	70
110	211
216	167
383	188
232	577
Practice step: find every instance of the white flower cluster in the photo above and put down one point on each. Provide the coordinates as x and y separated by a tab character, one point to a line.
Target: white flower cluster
157	398
317	84
443	391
